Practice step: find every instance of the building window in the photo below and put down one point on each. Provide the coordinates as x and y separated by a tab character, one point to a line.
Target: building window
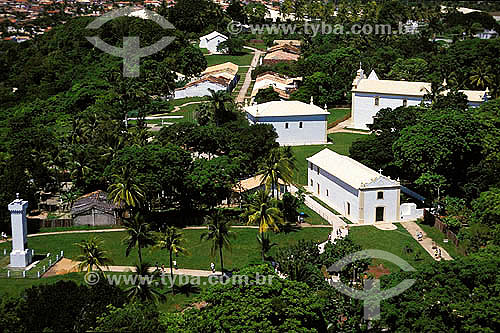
405	102
377	101
286	125
318	188
326	192
312	183
348	208
300	124
310	165
317	170
380	195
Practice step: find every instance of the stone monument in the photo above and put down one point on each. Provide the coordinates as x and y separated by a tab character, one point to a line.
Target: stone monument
20	256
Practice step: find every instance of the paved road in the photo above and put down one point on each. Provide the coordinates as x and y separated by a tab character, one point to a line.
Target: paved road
426	242
248	78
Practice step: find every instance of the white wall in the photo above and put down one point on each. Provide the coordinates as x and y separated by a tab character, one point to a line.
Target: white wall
313	129
390	203
198	90
364	108
212	44
339	193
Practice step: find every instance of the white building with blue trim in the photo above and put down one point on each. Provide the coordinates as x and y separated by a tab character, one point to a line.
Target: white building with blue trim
370	94
295	122
359	193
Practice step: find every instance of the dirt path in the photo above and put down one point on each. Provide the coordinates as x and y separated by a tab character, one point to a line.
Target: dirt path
426	242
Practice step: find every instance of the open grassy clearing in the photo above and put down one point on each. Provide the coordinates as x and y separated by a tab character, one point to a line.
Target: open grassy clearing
393	241
336	114
244	59
245	248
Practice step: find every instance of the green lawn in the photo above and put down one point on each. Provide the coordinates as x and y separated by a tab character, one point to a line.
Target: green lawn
245	249
438	237
336	114
341	142
241	60
311	216
393	241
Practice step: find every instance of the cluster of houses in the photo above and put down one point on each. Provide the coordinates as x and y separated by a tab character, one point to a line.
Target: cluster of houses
223	77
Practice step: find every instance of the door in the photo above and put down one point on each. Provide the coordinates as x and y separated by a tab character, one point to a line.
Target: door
379	214
318	188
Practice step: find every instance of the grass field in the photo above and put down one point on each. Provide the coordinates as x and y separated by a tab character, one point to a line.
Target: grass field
244	59
393	241
311	216
245	248
336	114
341	142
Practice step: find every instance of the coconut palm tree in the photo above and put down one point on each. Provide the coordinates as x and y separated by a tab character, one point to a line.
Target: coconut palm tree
219	234
139	235
125	190
92	255
171	239
481	77
278	166
218	100
262	211
265	244
144	287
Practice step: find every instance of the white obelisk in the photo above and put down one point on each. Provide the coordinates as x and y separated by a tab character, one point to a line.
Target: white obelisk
20	256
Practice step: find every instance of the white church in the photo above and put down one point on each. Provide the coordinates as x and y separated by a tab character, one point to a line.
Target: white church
370	94
359	193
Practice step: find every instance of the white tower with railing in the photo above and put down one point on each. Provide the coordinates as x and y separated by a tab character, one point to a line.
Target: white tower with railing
20	256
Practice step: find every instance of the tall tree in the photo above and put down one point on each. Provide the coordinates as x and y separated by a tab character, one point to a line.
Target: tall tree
139	235
171	240
278	166
92	255
145	285
219	234
125	191
262	211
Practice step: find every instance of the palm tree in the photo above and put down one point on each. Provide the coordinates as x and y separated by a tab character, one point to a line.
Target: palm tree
92	255
143	287
262	210
139	235
277	166
125	190
171	239
481	77
219	233
265	244
218	100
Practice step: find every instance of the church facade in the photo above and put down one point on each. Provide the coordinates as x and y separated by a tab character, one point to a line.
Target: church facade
370	94
359	193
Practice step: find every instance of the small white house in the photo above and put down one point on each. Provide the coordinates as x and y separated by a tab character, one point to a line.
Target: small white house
359	193
370	94
212	41
296	123
282	84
